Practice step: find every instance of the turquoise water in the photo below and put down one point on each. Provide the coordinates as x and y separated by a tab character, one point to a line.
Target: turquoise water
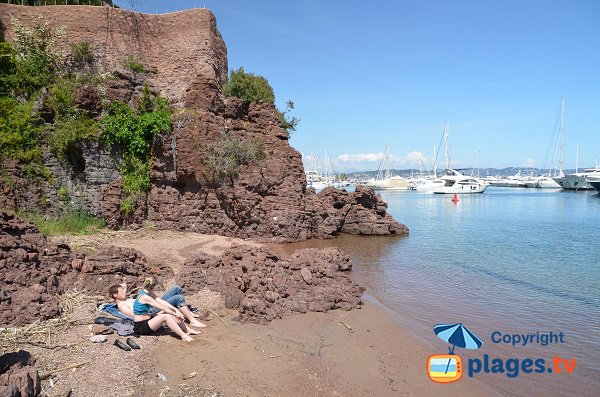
514	261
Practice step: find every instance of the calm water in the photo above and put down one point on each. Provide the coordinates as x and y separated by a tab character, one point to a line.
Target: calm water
518	261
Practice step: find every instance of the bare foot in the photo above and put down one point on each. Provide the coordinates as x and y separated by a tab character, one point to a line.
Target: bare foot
193	332
195	315
197	324
186	338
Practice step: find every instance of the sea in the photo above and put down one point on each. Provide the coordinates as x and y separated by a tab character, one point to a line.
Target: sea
511	265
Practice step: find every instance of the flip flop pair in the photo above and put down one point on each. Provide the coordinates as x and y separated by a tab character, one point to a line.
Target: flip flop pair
127	347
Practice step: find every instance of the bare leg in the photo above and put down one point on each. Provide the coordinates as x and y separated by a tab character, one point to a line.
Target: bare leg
191	318
171	322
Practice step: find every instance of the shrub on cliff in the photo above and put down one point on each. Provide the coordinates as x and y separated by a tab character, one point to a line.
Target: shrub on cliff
228	154
133	132
36	60
248	86
254	88
71	125
20	134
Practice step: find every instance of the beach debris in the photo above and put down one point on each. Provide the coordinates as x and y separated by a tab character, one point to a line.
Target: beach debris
68	392
141	373
217	316
162	377
48	374
275	356
346	325
98	338
190	375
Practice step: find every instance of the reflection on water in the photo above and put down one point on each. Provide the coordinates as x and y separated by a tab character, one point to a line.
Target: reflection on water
509	260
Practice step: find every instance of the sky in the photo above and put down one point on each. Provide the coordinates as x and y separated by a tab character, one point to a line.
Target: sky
366	74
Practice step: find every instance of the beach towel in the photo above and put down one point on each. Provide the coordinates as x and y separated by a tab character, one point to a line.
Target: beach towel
111	308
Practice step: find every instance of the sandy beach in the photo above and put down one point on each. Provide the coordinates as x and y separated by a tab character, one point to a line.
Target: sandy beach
338	353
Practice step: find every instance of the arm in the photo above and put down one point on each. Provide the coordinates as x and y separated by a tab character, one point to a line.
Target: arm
160	305
164	302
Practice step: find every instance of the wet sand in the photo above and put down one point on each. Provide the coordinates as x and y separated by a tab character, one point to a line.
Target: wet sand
312	354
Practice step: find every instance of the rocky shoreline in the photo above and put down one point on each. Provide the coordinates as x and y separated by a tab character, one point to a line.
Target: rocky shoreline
252	281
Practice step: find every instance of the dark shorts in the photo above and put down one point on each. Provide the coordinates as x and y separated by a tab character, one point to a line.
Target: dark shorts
142	328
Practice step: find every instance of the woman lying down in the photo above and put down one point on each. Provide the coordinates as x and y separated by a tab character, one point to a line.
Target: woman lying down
149	312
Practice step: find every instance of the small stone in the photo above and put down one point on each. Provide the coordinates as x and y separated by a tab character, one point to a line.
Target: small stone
306	275
161	377
98	338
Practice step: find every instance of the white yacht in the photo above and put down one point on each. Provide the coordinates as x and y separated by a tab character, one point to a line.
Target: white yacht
454	181
578	180
428	184
546	182
594	180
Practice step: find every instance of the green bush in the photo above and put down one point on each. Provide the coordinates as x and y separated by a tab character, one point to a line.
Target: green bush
133	132
71	223
228	154
68	133
36	61
8	69
248	86
289	124
81	53
134	64
20	130
63	194
61	98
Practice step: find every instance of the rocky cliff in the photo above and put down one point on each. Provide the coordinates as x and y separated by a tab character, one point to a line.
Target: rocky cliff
185	60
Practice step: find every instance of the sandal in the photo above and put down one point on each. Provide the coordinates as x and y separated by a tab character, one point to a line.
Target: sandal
132	344
122	345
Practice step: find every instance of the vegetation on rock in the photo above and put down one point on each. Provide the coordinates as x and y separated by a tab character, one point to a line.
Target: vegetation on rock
228	154
254	88
72	222
133	132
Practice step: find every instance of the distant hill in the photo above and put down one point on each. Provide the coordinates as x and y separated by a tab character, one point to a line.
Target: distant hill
482	172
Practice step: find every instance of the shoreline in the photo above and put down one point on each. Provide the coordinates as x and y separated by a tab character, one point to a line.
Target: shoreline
339	353
345	353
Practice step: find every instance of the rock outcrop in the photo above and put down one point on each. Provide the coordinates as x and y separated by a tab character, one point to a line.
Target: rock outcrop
34	271
263	286
185	59
30	270
18	375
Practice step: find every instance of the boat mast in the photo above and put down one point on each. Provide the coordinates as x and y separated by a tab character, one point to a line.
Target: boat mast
561	138
434	163
577	159
326	176
447	162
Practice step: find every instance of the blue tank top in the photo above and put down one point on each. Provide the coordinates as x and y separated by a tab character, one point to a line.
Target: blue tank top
140	308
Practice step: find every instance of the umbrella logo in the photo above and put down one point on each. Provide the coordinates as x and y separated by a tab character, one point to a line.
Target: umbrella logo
446	368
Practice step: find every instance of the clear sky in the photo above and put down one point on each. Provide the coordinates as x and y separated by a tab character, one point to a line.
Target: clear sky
366	73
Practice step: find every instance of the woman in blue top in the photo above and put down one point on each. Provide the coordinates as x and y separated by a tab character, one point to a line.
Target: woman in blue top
145	324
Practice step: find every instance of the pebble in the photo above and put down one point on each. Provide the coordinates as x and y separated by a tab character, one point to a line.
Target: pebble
98	338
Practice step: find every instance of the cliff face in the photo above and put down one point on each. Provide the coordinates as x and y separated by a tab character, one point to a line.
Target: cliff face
176	48
187	60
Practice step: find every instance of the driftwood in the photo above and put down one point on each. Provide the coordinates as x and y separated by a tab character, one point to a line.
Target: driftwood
46	374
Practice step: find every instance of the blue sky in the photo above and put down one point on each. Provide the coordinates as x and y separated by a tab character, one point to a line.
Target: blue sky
363	74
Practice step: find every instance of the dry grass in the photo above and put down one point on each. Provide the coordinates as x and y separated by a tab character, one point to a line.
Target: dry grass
45	334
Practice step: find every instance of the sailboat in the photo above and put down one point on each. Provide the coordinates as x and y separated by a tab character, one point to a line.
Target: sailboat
454	181
576	181
385	179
